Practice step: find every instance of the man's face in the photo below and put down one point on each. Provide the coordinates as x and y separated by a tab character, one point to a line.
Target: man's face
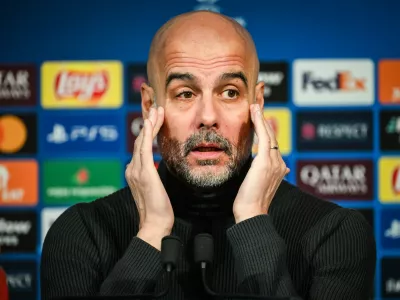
206	92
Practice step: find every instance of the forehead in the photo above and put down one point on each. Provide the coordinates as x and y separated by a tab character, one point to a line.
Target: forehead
204	49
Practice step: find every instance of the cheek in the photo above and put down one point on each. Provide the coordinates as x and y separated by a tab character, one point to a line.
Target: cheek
236	126
177	124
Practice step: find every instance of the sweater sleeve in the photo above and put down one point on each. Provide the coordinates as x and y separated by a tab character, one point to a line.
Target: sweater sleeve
343	257
340	252
260	256
71	265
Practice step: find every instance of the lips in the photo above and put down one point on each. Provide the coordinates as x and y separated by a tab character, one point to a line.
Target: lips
207	148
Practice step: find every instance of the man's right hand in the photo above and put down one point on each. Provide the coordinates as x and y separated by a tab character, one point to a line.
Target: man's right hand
151	198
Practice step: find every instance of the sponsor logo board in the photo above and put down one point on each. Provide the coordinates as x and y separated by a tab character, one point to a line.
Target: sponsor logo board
82	84
21	278
336	130
336	82
389	81
390	226
18	231
18	134
389	179
18	85
137	74
275	77
336	179
81	133
389	130
18	182
390	279
73	181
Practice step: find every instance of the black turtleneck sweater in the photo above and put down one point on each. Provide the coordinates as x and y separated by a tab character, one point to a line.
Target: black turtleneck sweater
304	247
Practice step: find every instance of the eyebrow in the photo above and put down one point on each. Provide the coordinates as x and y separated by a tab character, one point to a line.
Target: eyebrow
234	75
191	77
178	76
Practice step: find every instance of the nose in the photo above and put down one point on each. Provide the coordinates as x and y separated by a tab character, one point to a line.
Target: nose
207	114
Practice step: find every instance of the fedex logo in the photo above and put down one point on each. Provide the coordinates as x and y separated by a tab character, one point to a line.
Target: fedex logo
333	82
341	81
84	86
81	133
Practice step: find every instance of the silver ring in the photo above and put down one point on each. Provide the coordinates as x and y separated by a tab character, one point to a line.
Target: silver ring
275	148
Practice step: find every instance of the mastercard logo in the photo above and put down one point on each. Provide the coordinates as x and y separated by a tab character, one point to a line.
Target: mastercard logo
13	134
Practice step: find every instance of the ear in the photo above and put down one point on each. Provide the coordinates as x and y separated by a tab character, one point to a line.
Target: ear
259	96
148	99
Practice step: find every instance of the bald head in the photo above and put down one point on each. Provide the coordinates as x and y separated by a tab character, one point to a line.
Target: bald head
199	32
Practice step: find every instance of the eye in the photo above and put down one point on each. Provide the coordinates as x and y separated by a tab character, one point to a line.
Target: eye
230	94
185	95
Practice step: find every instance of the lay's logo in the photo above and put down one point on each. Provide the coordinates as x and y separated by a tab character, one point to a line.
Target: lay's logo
82	84
85	86
389	179
396	181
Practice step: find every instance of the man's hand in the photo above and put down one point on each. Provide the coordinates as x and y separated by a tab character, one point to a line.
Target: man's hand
265	174
152	201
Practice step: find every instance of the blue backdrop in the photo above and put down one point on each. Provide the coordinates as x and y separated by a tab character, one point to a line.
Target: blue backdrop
37	31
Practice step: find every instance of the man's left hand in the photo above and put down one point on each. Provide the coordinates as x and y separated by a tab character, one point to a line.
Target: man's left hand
265	174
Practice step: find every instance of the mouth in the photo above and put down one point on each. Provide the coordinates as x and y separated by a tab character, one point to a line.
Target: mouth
207	147
207	151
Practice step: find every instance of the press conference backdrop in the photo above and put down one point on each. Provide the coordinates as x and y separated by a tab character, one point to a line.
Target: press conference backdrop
70	75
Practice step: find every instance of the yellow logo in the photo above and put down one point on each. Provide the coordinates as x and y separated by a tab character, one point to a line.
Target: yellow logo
82	84
389	179
280	120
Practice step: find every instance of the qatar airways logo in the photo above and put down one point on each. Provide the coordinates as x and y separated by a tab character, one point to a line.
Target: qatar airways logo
16	85
336	180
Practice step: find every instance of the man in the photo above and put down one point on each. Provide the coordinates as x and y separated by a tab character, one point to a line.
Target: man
203	103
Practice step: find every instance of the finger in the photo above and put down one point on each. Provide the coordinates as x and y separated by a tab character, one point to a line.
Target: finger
146	148
153	115
259	126
159	121
276	154
136	150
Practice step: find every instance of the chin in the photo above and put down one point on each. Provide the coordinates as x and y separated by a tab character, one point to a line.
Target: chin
209	175
206	168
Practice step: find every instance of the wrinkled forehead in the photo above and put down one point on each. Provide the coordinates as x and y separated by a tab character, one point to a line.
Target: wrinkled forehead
205	49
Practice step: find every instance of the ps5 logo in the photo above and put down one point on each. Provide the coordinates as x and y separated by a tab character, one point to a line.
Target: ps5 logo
104	133
393	231
211	6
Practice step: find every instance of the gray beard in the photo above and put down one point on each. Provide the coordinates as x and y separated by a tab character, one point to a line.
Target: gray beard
174	155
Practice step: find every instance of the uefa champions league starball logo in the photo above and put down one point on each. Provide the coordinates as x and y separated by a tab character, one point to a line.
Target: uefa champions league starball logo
212	6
